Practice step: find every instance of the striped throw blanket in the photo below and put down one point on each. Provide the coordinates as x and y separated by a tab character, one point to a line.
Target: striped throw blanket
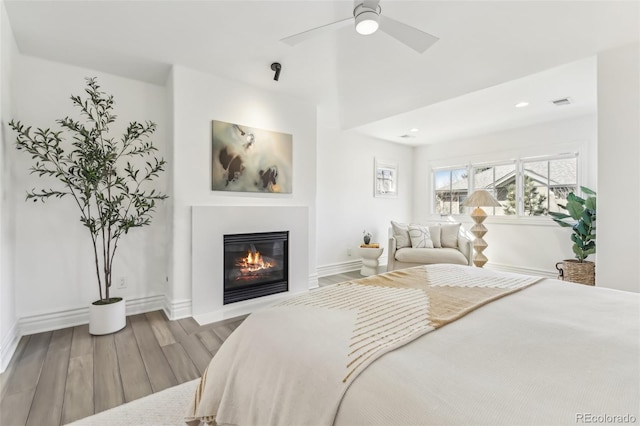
291	363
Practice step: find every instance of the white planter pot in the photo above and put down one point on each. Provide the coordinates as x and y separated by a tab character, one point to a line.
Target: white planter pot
106	319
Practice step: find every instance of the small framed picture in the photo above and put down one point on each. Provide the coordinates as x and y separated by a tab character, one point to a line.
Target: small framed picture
385	178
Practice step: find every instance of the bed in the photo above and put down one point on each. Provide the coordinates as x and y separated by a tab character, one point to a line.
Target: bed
495	348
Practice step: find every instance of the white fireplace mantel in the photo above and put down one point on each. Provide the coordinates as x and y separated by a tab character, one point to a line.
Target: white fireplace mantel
208	226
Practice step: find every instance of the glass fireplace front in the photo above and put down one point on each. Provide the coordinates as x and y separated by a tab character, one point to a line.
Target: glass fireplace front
255	265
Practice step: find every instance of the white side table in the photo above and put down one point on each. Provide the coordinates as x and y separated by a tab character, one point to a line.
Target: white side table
369	260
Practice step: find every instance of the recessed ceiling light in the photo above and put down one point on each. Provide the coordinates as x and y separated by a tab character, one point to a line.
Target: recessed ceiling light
521	104
414	130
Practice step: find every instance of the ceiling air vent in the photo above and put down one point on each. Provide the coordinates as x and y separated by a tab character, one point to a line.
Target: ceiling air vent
561	102
406	136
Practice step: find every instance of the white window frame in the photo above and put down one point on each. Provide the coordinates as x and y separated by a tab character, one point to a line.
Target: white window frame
520	187
434	170
472	183
519	166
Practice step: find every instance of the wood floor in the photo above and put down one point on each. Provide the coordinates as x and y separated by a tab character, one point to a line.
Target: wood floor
64	375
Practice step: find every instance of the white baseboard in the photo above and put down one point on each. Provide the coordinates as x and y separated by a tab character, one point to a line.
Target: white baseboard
522	270
354	265
348	266
313	281
8	346
144	304
177	309
339	268
48	321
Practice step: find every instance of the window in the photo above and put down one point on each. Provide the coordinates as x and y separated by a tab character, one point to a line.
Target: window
451	189
547	183
528	187
500	180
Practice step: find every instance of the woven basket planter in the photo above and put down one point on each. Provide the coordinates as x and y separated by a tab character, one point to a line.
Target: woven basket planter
577	272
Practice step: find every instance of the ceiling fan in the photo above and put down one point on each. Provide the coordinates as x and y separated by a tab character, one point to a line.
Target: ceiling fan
368	18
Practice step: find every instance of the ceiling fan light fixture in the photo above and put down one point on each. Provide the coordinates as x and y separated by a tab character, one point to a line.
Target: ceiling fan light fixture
366	20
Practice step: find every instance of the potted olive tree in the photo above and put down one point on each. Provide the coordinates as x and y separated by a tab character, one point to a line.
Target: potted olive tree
107	178
581	218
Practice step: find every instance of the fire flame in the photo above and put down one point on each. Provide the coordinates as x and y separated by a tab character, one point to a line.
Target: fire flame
254	262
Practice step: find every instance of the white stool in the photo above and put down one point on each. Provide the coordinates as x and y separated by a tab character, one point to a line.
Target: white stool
369	260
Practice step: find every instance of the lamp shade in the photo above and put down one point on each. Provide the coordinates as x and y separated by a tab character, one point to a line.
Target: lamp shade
481	198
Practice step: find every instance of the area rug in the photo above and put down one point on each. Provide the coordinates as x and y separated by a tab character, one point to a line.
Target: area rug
163	408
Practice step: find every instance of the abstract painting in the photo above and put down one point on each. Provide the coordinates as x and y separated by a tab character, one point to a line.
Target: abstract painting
246	159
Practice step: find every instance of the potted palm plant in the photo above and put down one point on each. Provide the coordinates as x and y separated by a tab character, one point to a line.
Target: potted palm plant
581	218
106	177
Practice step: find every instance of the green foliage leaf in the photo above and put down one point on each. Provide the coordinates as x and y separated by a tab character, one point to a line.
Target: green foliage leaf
564	224
581	229
559	215
575	209
573	197
583	213
577	240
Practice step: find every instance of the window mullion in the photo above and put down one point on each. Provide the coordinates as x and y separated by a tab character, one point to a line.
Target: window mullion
548	185
493	187
451	192
519	190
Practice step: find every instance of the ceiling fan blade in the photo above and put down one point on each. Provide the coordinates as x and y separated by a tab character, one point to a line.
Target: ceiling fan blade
414	38
306	35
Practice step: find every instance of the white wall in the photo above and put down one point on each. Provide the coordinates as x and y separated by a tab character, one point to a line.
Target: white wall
8	317
619	168
54	272
168	225
198	99
535	245
346	205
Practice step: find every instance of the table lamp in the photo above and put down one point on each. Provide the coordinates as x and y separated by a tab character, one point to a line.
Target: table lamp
480	198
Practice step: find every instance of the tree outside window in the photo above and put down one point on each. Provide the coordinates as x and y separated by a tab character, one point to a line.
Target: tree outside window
534	203
547	183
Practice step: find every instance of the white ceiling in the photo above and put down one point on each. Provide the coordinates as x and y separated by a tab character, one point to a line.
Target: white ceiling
365	78
493	109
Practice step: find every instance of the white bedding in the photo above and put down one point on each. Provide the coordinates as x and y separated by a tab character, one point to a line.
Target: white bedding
552	354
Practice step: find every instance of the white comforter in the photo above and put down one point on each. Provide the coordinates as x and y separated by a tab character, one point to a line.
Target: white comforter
555	353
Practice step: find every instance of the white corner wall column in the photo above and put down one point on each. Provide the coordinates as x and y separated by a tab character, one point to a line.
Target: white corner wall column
9	335
197	99
618	227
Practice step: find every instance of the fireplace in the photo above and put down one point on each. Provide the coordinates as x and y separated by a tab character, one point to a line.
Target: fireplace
255	265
